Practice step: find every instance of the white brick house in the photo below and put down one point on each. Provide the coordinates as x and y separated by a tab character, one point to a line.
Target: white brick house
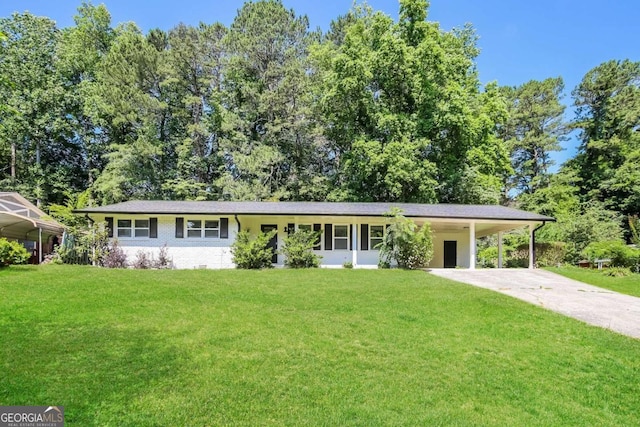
200	234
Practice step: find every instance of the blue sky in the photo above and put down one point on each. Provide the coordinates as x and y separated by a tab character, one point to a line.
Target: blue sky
519	40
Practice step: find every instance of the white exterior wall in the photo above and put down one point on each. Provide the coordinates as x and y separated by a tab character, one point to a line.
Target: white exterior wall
185	252
462	255
330	258
188	253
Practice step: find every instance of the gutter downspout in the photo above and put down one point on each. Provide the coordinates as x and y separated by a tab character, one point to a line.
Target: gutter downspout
534	240
238	221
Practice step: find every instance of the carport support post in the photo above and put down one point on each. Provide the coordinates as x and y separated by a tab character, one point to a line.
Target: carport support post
531	247
472	246
40	246
354	243
499	249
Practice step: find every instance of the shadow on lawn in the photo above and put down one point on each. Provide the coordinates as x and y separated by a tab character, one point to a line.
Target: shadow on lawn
96	372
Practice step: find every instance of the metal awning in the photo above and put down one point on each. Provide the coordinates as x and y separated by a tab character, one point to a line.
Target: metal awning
21	220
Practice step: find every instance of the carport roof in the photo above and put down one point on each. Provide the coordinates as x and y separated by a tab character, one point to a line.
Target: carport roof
19	218
447	211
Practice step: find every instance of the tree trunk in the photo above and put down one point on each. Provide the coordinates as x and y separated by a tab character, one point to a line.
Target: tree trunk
13	161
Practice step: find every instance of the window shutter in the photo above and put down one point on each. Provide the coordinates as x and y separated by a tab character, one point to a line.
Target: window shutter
328	237
291	228
109	221
316	228
224	228
350	237
179	228
153	228
364	237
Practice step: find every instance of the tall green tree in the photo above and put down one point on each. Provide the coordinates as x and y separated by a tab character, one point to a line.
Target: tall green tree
194	84
269	139
608	115
80	51
129	104
534	131
410	84
35	132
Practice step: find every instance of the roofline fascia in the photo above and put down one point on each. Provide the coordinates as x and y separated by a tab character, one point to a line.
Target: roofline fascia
80	211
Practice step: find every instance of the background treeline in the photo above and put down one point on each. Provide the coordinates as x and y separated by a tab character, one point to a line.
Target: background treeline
268	109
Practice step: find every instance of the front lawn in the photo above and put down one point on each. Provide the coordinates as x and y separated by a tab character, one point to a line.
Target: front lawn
318	347
629	285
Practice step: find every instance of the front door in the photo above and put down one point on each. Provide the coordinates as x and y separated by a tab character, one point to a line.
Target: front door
450	253
273	243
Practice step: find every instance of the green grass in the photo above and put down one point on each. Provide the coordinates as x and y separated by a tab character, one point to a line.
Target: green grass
319	347
629	285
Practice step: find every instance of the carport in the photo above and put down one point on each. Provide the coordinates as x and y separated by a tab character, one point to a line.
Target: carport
22	221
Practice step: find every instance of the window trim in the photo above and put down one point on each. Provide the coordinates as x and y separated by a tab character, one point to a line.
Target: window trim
133	228
203	228
372	247
346	239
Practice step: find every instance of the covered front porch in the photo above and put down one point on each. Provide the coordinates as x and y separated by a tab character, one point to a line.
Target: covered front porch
352	240
455	242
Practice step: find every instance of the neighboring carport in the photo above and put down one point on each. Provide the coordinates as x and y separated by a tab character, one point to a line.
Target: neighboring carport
22	221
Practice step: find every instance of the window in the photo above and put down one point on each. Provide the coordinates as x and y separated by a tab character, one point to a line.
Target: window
376	234
316	228
133	228
341	237
141	227
124	228
209	229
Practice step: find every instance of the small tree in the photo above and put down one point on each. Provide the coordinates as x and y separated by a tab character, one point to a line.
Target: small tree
298	249
406	244
12	253
251	253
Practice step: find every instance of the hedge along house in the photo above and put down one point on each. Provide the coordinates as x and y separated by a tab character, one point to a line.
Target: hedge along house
200	234
22	221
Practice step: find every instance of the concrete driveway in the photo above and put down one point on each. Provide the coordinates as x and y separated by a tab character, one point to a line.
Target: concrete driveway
593	305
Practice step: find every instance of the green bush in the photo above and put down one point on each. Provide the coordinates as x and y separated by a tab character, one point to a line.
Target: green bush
403	243
550	254
12	253
251	253
298	249
518	258
617	251
617	272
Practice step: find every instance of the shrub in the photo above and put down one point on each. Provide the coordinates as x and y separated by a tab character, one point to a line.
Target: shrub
617	272
402	243
347	264
617	251
518	258
115	258
163	261
550	254
298	249
143	261
12	253
251	253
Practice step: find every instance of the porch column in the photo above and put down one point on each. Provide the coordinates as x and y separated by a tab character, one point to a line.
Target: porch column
531	247
354	242
40	258
499	249
472	246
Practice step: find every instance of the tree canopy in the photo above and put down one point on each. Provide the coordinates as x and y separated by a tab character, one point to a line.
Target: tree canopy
374	109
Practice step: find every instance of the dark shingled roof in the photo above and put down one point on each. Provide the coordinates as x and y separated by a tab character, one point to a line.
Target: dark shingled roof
158	207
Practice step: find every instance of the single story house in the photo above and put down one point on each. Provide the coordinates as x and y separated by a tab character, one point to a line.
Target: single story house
199	234
22	221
